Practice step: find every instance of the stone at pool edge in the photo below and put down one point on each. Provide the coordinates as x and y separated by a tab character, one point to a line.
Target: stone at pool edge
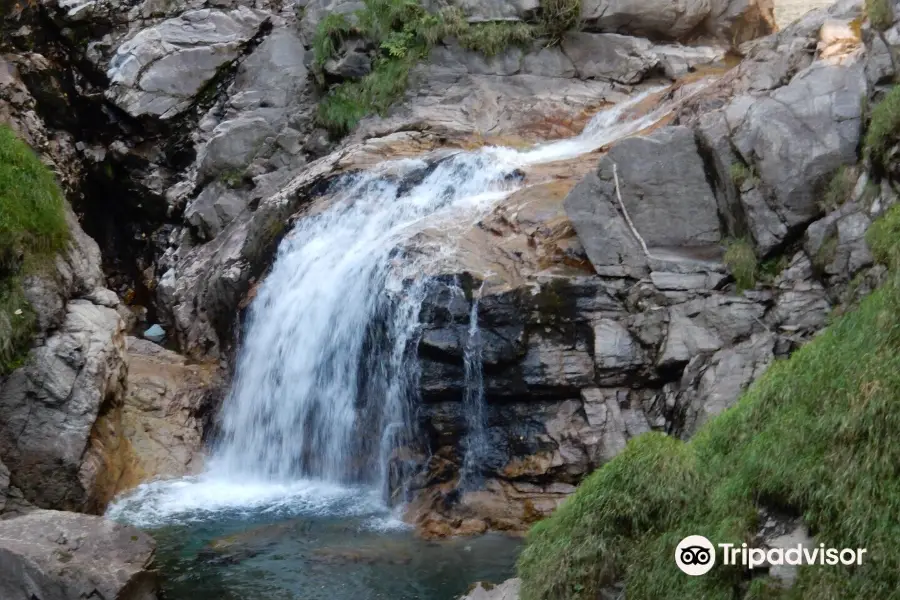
56	555
508	590
155	334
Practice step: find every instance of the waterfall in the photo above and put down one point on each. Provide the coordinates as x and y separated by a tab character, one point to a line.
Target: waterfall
326	375
475	441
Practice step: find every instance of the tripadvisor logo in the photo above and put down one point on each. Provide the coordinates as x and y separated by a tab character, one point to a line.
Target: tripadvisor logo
696	555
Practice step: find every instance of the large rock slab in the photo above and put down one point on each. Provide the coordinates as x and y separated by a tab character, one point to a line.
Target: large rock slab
48	408
797	137
610	56
650	18
160	70
51	555
664	192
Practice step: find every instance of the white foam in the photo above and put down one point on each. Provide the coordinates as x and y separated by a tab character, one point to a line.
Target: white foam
193	499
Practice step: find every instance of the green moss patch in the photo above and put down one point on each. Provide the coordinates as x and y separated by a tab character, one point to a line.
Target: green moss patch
817	434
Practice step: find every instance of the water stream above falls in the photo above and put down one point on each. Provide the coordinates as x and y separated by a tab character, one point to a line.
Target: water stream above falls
296	500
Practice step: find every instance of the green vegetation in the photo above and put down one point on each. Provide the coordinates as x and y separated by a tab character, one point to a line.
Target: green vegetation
741	173
494	37
884	128
827	251
404	33
770	269
815	434
883	236
741	260
32	227
839	189
559	16
880	13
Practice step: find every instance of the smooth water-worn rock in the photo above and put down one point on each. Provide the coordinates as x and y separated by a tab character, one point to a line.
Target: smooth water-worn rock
51	555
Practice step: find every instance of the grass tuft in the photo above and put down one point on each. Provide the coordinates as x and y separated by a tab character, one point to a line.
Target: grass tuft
883	236
32	227
494	37
741	260
741	173
884	128
839	189
815	434
346	104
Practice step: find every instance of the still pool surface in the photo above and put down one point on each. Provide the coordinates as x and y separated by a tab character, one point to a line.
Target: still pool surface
302	543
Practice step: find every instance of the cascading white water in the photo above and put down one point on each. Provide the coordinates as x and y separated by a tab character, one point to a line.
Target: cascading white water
473	402
326	372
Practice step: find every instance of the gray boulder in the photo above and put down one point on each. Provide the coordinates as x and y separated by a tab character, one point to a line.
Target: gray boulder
713	384
160	70
215	207
664	188
610	56
608	241
50	555
798	136
651	18
48	407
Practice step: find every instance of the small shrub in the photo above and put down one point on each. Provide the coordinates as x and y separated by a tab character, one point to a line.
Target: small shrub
17	324
881	14
884	128
496	36
770	269
559	16
839	189
741	260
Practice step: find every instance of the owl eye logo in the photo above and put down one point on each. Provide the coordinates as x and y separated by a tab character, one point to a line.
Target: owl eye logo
695	555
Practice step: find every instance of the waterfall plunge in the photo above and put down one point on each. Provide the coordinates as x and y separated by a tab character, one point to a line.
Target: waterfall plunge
326	374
